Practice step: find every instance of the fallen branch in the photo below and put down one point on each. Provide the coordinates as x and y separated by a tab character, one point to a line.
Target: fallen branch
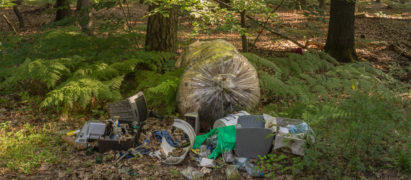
10	25
271	30
266	21
276	33
400	50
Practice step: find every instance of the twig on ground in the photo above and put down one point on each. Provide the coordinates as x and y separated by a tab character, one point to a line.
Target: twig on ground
10	25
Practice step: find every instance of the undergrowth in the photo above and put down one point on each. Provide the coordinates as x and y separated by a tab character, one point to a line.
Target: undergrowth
76	72
357	112
361	122
27	148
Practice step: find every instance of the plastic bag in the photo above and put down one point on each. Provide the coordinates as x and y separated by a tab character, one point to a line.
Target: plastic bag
226	138
217	81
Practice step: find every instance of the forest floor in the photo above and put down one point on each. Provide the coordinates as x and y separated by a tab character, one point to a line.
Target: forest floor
383	37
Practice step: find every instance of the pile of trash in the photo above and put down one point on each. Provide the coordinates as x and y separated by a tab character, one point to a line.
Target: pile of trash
241	137
238	137
131	130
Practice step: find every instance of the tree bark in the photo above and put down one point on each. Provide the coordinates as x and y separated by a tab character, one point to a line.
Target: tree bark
18	14
243	36
321	4
63	9
340	39
162	31
84	12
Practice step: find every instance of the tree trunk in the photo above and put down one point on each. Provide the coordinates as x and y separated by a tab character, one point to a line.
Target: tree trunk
18	14
63	9
321	4
162	31
378	1
84	12
301	4
243	36
340	39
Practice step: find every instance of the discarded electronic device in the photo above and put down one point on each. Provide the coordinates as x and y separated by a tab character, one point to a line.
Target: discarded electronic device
91	130
193	120
118	133
131	109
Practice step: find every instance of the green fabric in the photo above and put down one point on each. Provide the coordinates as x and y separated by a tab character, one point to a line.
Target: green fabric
226	140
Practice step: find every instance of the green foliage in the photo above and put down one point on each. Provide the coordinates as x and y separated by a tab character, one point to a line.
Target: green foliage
27	148
93	76
316	76
49	72
81	92
160	89
274	164
354	109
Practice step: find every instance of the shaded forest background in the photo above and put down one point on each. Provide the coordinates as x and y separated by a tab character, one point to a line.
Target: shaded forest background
59	67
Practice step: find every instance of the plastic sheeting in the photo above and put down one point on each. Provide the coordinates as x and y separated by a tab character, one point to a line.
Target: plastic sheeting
217	81
226	140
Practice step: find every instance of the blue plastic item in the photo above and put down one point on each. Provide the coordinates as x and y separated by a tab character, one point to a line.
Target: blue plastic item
244	164
160	134
300	128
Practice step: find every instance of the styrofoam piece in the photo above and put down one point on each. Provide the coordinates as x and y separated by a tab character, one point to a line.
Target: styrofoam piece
229	120
251	121
252	142
270	122
183	125
283	130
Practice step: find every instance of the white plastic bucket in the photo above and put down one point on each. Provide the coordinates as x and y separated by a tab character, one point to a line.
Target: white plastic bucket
183	125
229	120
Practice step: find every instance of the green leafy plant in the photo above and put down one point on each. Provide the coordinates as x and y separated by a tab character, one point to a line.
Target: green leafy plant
27	148
276	164
90	78
160	89
354	110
